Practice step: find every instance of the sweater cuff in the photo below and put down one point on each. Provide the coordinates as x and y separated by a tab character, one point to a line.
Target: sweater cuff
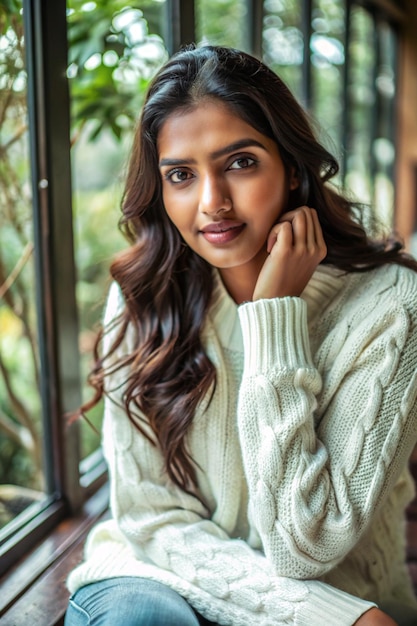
331	606
275	335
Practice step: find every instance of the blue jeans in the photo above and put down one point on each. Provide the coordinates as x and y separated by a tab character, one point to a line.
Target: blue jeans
129	601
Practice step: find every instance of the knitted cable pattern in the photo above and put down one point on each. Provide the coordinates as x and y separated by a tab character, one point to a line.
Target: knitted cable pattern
331	485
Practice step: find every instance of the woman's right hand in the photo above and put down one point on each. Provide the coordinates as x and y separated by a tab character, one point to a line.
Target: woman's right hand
375	617
296	246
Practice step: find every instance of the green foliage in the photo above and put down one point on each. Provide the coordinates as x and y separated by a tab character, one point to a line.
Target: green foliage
97	240
114	50
16	465
9	10
113	53
20	441
222	22
112	56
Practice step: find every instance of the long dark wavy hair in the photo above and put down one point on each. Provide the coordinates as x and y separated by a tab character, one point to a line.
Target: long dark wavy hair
167	288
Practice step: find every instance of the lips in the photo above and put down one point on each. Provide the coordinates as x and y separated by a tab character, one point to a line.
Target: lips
221	227
220	233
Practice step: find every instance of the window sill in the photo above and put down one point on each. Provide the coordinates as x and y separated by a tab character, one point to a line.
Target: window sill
34	591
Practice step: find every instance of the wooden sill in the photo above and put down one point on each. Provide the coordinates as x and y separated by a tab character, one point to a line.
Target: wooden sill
34	591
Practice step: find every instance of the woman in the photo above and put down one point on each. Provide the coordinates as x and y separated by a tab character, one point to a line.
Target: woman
258	364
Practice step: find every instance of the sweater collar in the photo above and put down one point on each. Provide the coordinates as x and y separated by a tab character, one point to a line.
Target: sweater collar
325	283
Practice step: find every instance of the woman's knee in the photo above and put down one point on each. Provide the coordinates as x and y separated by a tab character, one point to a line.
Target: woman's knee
129	602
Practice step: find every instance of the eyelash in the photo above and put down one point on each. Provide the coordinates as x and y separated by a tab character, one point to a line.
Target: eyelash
243	158
169	175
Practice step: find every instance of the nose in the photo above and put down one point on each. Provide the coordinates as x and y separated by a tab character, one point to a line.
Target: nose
214	195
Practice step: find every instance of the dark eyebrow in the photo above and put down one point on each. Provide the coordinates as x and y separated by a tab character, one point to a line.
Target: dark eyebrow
234	147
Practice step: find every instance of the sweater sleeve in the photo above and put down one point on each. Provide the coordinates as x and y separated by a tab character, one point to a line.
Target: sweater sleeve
321	450
171	538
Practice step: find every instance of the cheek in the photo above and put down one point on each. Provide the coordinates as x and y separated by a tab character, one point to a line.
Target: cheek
178	216
170	207
177	204
279	197
273	202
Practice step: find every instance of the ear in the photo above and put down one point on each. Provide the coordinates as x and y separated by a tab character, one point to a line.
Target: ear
294	182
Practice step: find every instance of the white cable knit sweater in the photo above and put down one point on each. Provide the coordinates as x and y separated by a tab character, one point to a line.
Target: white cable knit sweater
302	452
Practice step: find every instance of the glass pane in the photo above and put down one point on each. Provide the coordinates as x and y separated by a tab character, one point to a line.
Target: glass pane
221	22
361	105
327	54
283	43
383	146
114	50
21	435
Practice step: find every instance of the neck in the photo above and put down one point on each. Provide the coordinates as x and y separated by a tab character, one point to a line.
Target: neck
240	281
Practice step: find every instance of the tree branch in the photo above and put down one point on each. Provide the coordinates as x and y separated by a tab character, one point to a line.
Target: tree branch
18	433
18	134
18	407
25	256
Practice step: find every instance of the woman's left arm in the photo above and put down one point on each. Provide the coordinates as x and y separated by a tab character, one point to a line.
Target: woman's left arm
316	477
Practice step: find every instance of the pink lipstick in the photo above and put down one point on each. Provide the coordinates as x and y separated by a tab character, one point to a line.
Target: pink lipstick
222	232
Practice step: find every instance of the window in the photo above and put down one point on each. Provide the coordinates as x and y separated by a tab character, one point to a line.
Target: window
40	378
66	119
328	38
22	468
283	42
340	60
370	128
114	50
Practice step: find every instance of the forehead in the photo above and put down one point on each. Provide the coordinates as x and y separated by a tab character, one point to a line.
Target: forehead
207	125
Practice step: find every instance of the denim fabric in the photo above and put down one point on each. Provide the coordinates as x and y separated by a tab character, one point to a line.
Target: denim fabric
128	601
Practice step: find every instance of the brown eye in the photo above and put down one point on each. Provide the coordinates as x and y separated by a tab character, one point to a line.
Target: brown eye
178	176
242	163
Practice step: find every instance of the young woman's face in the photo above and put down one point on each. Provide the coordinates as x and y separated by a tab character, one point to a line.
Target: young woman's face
224	185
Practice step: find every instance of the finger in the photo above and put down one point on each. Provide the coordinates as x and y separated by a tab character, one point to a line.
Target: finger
300	227
311	229
288	216
281	235
306	226
272	237
318	231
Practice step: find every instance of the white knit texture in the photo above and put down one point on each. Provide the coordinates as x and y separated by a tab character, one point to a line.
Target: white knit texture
302	457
